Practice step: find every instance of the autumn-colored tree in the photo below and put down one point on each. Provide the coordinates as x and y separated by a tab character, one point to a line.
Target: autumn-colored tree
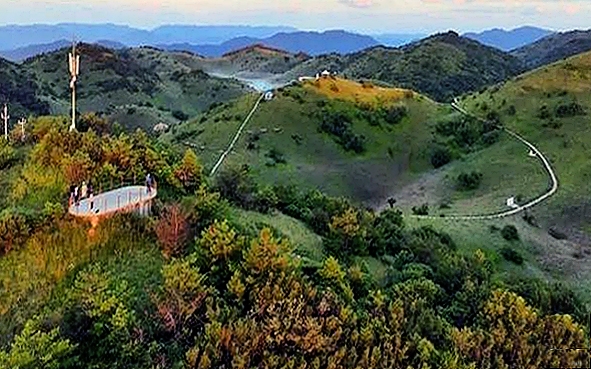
220	241
189	172
513	335
172	230
185	291
13	230
77	167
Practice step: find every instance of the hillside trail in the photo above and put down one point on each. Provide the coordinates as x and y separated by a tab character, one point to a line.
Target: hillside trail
534	152
236	136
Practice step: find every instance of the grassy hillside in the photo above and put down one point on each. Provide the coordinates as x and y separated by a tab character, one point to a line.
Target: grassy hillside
441	66
550	107
135	87
553	48
285	141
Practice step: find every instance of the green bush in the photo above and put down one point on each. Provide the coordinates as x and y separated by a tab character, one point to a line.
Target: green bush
509	232
14	230
544	112
571	109
180	115
395	114
511	255
440	156
469	181
421	210
339	124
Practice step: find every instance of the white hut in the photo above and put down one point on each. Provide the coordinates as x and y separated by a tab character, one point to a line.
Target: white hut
325	74
160	127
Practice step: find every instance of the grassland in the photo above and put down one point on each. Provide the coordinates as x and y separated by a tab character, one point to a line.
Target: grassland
565	142
289	125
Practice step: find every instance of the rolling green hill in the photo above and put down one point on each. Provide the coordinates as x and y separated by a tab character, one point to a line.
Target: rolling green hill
20	90
441	66
549	107
255	59
297	137
137	87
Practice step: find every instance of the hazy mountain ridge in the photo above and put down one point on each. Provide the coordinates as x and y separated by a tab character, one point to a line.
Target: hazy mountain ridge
22	53
508	40
312	43
16	36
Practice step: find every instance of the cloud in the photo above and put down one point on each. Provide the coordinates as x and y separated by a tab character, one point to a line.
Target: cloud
357	3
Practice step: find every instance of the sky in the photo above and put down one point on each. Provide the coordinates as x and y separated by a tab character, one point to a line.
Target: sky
367	16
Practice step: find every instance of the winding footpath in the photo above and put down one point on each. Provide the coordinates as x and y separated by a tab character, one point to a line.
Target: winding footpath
236	136
516	210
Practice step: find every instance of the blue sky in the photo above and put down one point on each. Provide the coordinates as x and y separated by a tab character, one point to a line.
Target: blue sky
371	16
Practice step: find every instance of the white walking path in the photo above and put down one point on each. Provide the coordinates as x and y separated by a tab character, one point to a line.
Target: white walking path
236	136
518	209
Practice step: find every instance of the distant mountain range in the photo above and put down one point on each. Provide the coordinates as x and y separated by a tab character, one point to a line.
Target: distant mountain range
17	36
509	40
311	43
22	53
398	39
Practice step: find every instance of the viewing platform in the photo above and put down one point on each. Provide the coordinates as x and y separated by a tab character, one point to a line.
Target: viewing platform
131	199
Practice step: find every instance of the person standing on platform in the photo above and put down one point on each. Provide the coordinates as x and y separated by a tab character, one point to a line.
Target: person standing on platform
149	182
76	196
83	190
91	197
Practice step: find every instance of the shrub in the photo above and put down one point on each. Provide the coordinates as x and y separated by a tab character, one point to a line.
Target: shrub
511	255
493	117
172	230
469	181
395	114
189	172
339	125
544	112
180	115
275	157
440	156
571	109
421	210
509	233
14	230
511	110
7	153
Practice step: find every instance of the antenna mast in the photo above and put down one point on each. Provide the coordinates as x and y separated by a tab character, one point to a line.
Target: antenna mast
74	64
5	117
